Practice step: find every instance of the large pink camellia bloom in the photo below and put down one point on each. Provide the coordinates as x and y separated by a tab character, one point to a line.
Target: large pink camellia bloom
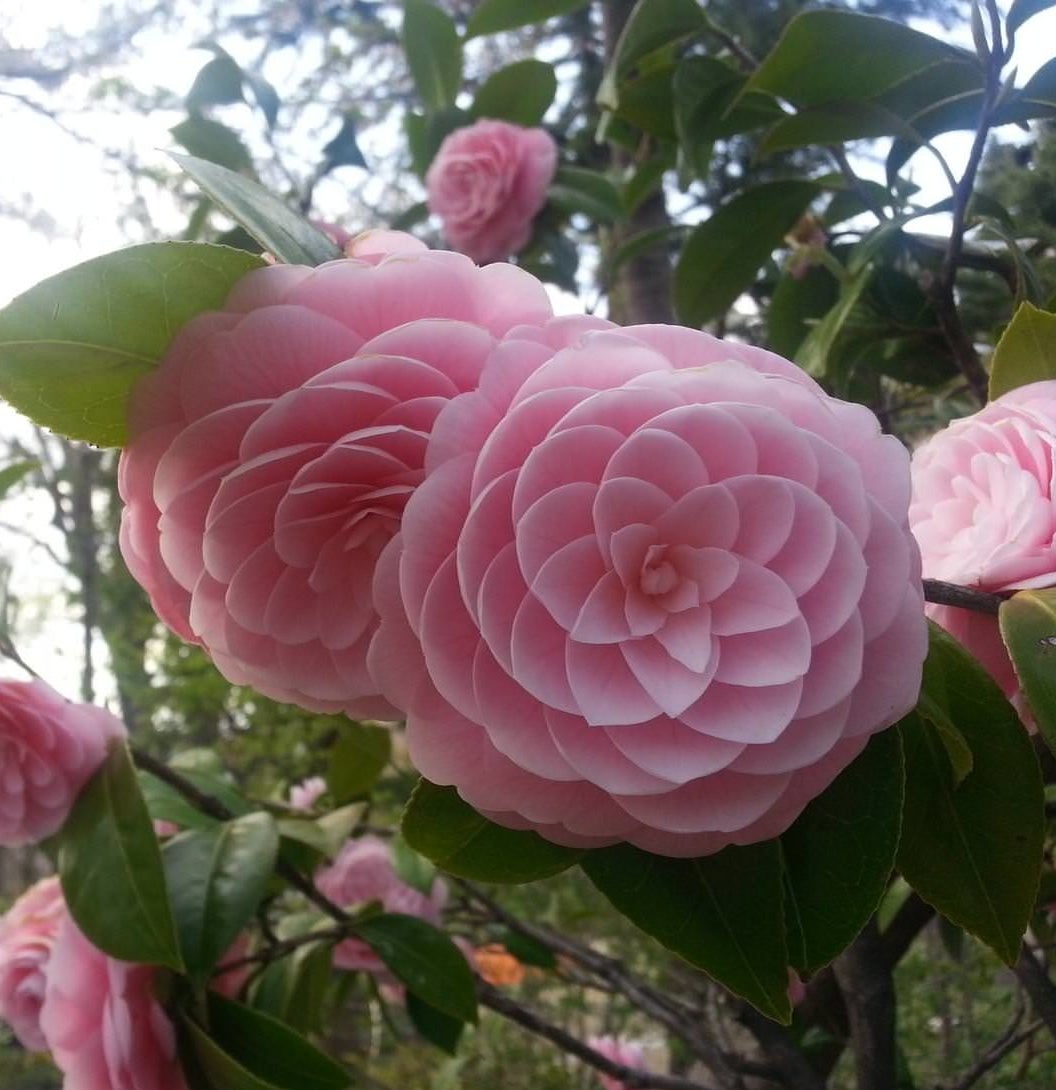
274	448
27	934
49	748
363	872
103	1024
984	511
659	588
487	183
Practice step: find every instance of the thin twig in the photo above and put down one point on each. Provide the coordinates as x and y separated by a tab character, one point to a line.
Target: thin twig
952	594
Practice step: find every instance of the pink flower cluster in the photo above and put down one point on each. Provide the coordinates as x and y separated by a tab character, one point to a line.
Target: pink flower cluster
630	584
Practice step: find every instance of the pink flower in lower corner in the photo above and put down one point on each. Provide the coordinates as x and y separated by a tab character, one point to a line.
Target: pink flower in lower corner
656	588
628	1053
274	448
102	1021
362	872
984	511
27	934
487	183
49	748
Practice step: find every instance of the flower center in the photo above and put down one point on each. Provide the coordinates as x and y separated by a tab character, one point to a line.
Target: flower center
659	575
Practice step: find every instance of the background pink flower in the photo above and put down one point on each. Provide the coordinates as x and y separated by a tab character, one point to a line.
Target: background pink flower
304	795
628	1053
103	1024
27	934
363	872
49	748
487	183
273	450
662	591
984	511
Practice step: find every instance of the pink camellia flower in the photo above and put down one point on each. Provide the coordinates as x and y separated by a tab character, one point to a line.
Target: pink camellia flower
49	748
363	872
628	1053
304	795
275	446
656	588
487	183
984	511
27	934
102	1021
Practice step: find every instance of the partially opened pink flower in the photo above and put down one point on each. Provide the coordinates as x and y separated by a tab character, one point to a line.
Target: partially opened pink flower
628	1053
363	872
27	934
487	183
984	511
49	748
304	795
274	448
102	1021
658	587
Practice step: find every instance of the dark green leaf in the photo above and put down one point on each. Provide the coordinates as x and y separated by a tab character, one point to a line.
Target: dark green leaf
520	92
280	231
457	839
722	256
973	849
434	1025
12	474
434	53
215	142
722	913
218	82
411	867
491	16
356	760
216	879
425	959
637	245
343	150
809	64
647	102
577	190
528	950
797	305
839	855
165	803
1026	351
815	352
1022	10
111	871
1028	627
835	123
293	989
72	348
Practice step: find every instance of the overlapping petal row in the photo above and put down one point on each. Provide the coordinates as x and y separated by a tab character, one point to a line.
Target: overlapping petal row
275	447
658	588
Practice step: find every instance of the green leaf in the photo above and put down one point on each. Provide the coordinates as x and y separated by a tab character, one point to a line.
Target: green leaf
266	95
815	352
723	254
835	123
425	959
577	190
809	64
1022	10
293	989
412	867
1028	627
491	16
216	879
281	232
111	870
1026	351
73	346
457	839
721	913
219	82
14	473
357	759
434	53
165	803
528	950
839	855
520	92
434	1025
343	150
973	849
796	307
215	142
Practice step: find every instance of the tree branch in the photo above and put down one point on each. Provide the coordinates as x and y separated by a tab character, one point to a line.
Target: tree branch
869	992
952	594
1036	983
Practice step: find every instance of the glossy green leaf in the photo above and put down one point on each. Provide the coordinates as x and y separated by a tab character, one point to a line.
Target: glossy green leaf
972	849
1026	351
434	1025
1022	10
412	867
723	255
425	959
281	232
13	474
111	871
293	989
797	305
434	53
815	352
491	16
521	92
357	759
165	803
835	123
839	855
219	82
73	346
1028	627
809	64
216	879
215	142
457	839
722	913
577	190
652	24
